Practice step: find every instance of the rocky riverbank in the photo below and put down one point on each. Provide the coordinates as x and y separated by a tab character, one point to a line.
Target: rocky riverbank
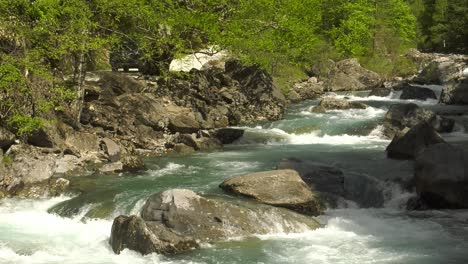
126	117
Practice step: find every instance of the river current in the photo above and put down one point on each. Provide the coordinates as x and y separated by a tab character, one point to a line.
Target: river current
76	229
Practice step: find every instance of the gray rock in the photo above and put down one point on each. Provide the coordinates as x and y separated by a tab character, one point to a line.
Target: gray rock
46	137
294	96
417	93
412	143
348	75
182	149
111	149
444	124
210	220
441	176
228	135
134	233
455	92
198	143
381	91
330	103
112	167
48	188
310	89
282	188
183	123
404	116
332	185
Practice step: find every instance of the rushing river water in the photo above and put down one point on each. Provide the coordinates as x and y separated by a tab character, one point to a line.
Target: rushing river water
65	229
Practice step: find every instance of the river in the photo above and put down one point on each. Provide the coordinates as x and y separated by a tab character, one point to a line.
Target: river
66	230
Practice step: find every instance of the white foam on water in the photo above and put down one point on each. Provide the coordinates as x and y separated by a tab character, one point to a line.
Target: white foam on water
30	235
171	168
317	137
393	97
351	114
367	236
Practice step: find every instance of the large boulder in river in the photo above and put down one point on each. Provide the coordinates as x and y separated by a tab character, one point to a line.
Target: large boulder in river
349	75
178	220
331	103
441	176
134	233
404	116
455	92
410	144
333	185
228	135
208	220
417	93
381	91
282	188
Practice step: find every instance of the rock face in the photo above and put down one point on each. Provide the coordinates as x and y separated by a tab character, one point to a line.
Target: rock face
177	220
441	69
455	92
417	93
282	188
405	116
441	176
330	103
411	144
239	94
348	75
309	89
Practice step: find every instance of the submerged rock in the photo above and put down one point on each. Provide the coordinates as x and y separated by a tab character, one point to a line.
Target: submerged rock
405	116
417	93
410	144
441	176
282	188
330	103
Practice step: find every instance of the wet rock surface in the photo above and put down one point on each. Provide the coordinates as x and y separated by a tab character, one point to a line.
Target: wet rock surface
282	188
405	116
441	176
417	93
330	103
410	144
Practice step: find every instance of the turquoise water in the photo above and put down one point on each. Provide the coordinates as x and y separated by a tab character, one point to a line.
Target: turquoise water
65	229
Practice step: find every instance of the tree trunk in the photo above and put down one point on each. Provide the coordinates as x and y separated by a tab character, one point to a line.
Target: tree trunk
80	74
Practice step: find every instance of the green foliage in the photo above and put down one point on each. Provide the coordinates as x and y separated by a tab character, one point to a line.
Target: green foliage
442	25
26	125
7	160
389	66
287	76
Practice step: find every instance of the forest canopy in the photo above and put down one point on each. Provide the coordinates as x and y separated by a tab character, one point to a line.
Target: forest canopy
47	46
